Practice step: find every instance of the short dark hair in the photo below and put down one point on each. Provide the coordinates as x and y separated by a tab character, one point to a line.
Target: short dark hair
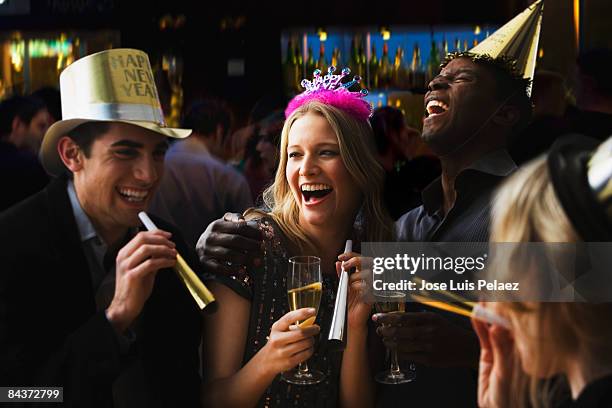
266	106
204	115
596	63
383	120
85	134
51	97
22	107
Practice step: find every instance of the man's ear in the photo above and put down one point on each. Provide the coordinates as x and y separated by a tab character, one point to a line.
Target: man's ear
17	123
220	138
70	153
16	135
220	133
394	137
507	116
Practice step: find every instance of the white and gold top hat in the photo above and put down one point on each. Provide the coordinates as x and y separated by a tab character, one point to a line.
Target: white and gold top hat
110	86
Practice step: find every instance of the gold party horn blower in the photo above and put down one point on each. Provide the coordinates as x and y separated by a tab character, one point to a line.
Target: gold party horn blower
198	290
462	307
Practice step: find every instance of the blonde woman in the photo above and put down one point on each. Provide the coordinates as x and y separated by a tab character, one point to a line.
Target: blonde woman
562	198
327	189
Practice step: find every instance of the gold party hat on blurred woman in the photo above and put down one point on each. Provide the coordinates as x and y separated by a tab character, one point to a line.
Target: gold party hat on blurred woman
599	173
581	174
514	46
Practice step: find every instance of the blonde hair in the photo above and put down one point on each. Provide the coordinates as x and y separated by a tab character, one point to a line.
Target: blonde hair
356	144
526	209
525	205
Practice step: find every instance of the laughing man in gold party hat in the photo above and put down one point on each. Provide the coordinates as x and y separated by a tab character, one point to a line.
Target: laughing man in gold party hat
86	300
473	108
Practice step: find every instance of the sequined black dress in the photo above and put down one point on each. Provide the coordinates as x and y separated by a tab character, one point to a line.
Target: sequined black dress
266	288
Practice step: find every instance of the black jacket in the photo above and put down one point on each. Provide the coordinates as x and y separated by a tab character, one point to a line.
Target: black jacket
21	175
51	333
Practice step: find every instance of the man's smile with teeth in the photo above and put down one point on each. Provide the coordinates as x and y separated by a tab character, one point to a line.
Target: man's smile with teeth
435	107
133	195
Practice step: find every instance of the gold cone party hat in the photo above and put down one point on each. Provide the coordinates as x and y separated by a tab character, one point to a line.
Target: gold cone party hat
514	45
599	173
110	86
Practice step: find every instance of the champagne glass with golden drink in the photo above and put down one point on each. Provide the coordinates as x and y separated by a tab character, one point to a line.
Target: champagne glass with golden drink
304	289
392	302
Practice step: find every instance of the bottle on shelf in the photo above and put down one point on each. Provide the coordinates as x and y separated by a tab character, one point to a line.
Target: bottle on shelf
310	63
335	60
443	49
356	63
373	79
299	68
400	77
290	68
384	72
362	60
433	65
416	76
354	56
321	64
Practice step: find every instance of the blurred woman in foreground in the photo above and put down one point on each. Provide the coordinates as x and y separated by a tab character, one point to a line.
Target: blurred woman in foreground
564	198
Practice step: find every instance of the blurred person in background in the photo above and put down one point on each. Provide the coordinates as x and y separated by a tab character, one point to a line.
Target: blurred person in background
550	103
591	116
52	100
262	154
23	123
593	95
549	94
269	143
237	142
198	186
406	174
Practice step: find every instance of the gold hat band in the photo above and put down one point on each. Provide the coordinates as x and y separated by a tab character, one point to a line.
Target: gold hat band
118	111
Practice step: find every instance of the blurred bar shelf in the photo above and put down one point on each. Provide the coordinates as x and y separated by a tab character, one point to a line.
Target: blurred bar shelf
395	62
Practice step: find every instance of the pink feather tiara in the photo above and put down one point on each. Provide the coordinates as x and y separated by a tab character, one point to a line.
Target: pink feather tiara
330	90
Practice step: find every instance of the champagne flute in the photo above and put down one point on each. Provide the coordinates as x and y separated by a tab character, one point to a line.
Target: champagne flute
304	289
392	302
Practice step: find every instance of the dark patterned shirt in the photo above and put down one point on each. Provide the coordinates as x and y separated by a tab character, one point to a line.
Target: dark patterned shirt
266	288
468	220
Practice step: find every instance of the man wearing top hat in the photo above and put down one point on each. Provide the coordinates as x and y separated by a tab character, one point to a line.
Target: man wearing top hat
87	301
